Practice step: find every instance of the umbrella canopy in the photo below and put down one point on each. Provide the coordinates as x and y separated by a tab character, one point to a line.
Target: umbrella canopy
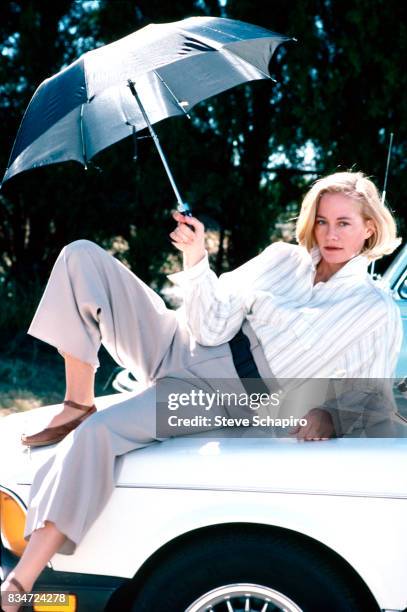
88	105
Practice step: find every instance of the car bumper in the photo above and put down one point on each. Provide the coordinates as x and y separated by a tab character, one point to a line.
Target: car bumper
93	593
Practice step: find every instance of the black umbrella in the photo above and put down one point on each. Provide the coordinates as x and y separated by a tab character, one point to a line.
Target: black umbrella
114	91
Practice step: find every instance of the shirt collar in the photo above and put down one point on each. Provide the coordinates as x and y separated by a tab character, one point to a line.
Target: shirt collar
354	268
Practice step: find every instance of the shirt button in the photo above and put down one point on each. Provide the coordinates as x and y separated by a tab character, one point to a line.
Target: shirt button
339	374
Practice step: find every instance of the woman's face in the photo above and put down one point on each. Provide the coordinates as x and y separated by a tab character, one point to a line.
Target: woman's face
340	230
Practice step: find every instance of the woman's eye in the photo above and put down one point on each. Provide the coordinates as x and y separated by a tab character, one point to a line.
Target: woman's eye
323	222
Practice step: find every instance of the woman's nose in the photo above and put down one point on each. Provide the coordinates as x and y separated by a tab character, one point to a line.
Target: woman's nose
332	233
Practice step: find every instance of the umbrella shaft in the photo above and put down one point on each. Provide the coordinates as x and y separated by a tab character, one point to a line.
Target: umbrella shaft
181	205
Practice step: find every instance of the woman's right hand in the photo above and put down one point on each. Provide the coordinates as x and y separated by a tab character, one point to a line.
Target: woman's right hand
189	240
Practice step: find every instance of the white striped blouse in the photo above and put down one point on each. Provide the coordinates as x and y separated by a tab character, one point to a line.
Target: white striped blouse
347	327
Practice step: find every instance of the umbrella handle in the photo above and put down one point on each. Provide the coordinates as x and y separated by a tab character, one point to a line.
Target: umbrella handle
182	206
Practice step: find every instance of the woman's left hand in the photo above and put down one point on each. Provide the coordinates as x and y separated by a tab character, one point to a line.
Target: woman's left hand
319	426
189	237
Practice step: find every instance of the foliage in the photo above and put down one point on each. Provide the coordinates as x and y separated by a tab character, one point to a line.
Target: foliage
340	91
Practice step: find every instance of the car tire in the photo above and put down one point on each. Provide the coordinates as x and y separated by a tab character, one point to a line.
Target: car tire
203	572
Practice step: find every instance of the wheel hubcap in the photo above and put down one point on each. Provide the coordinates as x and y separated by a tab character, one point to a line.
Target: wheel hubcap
243	597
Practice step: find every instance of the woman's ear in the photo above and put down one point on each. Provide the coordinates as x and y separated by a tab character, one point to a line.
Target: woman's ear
370	228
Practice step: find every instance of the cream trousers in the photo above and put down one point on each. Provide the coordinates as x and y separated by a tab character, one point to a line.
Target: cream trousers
91	298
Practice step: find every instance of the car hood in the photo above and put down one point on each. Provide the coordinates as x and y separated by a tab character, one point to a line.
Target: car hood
356	467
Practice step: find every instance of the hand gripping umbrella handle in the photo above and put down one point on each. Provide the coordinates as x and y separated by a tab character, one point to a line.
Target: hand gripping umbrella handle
182	206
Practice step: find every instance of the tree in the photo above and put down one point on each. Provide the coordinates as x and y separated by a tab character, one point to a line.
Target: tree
340	91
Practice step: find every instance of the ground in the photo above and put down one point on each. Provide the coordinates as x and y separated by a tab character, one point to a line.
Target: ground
34	376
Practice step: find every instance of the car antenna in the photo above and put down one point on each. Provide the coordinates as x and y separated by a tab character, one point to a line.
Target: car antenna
384	187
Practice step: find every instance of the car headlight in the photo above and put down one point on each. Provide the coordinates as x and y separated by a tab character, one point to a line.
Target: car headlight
12	522
70	605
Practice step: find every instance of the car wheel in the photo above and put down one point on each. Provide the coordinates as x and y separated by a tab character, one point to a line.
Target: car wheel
251	571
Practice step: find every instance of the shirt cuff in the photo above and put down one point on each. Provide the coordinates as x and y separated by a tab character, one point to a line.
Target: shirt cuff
194	273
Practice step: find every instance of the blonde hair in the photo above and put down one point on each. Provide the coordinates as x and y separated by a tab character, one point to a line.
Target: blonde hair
358	187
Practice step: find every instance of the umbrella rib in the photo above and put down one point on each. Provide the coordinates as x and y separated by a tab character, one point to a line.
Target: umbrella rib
241	59
172	94
83	139
212	29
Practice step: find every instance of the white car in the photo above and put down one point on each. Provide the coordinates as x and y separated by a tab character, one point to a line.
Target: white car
395	278
231	525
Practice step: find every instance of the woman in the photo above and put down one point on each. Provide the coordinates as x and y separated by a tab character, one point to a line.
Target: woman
308	310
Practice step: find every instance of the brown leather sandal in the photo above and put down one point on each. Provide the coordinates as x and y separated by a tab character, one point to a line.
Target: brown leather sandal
20	590
52	435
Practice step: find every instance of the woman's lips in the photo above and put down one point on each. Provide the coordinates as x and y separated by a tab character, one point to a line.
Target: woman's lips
333	248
